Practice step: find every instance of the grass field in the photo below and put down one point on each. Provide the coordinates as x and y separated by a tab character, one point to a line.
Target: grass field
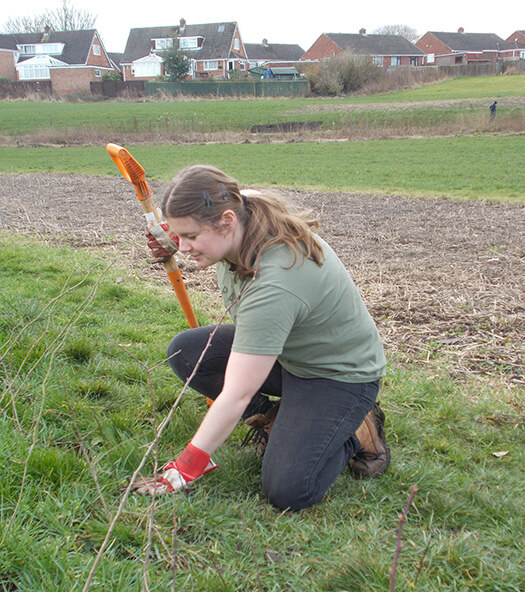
473	167
82	390
231	115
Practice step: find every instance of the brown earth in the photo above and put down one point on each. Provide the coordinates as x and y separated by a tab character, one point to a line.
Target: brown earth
438	276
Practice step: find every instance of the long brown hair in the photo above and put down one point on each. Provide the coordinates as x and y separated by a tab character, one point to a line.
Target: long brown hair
204	192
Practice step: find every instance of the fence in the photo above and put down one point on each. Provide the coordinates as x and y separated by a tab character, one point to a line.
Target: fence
20	90
224	88
119	88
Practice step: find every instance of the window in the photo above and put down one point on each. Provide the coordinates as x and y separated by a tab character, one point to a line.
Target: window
413	61
431	58
148	70
458	59
190	42
395	61
377	60
236	44
41	49
211	65
97	73
160	44
34	72
27	49
220	29
96	49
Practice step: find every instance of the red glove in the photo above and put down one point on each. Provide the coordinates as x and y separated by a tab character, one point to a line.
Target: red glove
177	475
162	242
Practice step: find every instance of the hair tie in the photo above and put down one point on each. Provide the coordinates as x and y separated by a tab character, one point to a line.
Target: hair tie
244	199
224	192
207	199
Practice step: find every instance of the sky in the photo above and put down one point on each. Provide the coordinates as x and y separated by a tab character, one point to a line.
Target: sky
287	21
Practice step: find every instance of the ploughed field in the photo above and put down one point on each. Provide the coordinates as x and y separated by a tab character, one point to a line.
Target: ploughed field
439	276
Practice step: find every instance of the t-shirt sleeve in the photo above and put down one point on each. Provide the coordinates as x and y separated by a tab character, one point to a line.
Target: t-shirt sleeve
264	320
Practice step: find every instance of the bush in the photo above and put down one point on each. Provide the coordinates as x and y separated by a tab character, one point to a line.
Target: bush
343	74
112	76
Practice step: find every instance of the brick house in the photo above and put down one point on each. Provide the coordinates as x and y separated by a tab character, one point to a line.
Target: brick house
273	55
215	50
448	49
385	50
69	59
514	46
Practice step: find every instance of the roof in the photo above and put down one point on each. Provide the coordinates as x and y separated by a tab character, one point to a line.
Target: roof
217	40
273	51
363	44
76	43
470	41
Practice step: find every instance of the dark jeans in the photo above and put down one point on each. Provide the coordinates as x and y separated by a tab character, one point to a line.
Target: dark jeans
313	437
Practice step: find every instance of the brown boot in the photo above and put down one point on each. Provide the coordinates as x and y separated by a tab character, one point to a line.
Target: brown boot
373	457
261	426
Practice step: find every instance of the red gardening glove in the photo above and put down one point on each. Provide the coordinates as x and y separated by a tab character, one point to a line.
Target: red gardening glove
192	464
162	242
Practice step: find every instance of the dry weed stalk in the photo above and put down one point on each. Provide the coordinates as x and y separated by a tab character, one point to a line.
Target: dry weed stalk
152	445
51	350
402	519
89	461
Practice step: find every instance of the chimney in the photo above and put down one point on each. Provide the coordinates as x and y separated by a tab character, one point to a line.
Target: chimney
182	25
362	31
45	34
461	30
265	42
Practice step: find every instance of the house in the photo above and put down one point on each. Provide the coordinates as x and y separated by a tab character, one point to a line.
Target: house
448	49
385	50
273	55
517	37
69	59
215	50
514	48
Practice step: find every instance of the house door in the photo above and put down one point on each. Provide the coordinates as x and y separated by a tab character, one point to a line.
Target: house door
231	65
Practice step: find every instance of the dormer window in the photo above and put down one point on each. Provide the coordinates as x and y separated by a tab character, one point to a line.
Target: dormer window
41	48
220	29
162	44
190	42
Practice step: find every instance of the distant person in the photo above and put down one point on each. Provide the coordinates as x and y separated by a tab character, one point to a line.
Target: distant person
302	334
492	109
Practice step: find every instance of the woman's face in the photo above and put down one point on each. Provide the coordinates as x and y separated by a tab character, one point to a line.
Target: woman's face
204	244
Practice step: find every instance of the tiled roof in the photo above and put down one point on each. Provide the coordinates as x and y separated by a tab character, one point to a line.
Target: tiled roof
76	49
217	40
469	41
274	51
362	44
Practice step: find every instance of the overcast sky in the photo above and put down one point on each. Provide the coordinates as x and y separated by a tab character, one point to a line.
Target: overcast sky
288	21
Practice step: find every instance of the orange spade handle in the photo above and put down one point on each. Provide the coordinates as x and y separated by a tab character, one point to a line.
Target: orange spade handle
131	169
134	173
173	271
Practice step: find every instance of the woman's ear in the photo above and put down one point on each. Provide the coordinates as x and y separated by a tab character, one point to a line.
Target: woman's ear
228	220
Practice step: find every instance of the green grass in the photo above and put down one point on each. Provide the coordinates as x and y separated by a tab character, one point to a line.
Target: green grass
63	315
472	167
232	115
471	87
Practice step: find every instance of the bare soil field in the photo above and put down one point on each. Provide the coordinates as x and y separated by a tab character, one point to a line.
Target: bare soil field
438	276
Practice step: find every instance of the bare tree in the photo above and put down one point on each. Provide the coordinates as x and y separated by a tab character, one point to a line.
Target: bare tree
64	18
404	30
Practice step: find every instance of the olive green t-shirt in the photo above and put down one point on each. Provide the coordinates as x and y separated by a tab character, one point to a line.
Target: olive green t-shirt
311	317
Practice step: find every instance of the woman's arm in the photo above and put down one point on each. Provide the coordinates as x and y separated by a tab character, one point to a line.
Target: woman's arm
245	374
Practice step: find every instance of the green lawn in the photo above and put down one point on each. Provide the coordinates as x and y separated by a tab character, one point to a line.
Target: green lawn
81	367
472	167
